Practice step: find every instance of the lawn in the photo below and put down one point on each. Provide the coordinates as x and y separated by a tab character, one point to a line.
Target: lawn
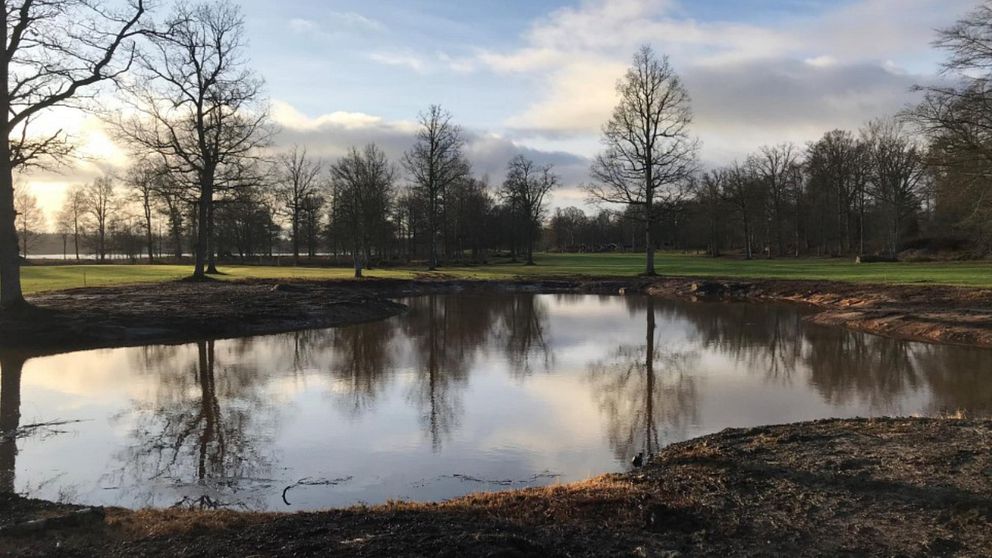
978	274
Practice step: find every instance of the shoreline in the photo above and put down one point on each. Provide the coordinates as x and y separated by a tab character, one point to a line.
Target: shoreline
858	486
912	487
180	312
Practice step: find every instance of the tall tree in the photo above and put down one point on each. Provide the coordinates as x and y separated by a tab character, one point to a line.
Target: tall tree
649	153
435	163
776	167
362	185
298	177
100	202
53	52
30	219
73	214
526	188
898	176
142	179
197	107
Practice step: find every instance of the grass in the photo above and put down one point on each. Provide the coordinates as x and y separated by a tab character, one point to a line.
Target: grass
42	278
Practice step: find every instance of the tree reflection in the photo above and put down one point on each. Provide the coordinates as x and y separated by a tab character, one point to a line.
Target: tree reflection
11	365
522	333
643	389
363	361
445	337
201	431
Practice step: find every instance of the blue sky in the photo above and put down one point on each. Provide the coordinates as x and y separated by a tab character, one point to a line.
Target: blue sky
538	76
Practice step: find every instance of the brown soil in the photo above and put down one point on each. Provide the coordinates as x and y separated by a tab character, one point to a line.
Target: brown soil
181	311
935	314
892	487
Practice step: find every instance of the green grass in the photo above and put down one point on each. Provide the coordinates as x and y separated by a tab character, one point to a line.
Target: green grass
975	274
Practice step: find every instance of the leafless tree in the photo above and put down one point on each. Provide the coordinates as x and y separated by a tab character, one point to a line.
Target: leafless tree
100	202
298	177
143	180
776	166
362	185
30	219
435	163
53	52
526	187
744	190
898	175
73	214
197	107
649	155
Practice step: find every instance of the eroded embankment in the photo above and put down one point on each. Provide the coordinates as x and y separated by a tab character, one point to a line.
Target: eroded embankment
181	311
930	313
890	487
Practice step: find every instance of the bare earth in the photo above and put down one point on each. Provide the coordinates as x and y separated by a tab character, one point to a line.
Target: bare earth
179	311
892	487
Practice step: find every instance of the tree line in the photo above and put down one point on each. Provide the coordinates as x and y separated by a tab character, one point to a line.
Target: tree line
205	181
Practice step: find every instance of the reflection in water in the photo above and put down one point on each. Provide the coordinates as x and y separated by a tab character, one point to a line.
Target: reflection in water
642	387
10	417
200	433
461	393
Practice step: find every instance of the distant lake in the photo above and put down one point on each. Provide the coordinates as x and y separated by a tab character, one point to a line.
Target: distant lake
463	393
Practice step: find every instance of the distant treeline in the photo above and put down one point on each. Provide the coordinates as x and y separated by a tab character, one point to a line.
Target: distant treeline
206	181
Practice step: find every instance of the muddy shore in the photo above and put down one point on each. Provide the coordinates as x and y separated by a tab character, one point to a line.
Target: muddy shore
177	312
887	487
912	487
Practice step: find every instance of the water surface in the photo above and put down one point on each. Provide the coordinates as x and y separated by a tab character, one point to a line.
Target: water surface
462	393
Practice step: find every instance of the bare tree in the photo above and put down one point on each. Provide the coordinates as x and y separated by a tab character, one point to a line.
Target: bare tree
30	219
362	185
435	163
525	188
955	115
143	178
100	202
776	167
53	52
898	175
198	108
298	177
73	214
649	153
743	189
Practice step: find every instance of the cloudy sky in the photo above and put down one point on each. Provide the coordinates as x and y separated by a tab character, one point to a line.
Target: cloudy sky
537	76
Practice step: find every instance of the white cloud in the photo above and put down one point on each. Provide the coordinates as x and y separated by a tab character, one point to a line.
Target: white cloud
788	80
404	59
300	25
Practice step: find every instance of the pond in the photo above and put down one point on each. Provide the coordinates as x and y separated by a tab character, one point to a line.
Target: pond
461	394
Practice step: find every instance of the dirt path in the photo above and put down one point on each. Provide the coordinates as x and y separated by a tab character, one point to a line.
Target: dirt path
907	487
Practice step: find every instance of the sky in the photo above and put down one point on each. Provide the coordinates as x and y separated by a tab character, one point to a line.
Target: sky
538	76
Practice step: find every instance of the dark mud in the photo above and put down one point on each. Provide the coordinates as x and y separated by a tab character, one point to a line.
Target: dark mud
892	487
177	312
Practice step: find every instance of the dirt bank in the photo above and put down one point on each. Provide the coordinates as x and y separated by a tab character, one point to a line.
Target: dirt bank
179	312
892	487
930	313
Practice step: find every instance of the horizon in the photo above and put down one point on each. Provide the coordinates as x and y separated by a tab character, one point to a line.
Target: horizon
538	78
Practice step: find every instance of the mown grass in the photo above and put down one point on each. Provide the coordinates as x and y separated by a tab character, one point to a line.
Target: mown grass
40	278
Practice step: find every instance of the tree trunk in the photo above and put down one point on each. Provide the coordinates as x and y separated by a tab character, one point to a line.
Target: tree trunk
648	222
211	242
10	262
296	236
200	257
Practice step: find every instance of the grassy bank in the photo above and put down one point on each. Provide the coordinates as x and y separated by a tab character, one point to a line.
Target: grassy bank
973	274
